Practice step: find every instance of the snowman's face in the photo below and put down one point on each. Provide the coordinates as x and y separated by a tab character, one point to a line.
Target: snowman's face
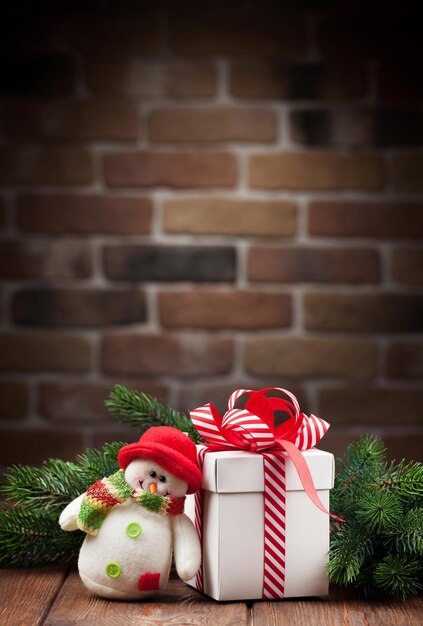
154	479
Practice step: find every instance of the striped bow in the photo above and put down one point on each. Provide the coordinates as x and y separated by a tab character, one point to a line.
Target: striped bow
252	428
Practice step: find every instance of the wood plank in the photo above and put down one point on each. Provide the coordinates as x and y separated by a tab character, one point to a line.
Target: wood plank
338	611
26	595
179	604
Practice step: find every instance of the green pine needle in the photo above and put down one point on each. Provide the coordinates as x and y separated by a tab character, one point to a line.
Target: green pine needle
348	550
27	539
143	411
379	510
377	551
407	538
405	479
399	575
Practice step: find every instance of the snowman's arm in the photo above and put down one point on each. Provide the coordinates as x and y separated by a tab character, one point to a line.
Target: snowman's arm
69	515
186	547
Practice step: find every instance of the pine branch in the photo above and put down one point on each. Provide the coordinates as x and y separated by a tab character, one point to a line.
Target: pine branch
143	411
377	551
405	479
379	511
28	539
407	538
399	576
348	550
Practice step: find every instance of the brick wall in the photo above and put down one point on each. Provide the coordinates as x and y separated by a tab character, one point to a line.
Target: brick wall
195	200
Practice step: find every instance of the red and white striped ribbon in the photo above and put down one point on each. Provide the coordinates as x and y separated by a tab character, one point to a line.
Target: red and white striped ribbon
198	520
274	526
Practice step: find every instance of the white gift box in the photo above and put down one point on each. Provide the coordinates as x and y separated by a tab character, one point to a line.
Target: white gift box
233	526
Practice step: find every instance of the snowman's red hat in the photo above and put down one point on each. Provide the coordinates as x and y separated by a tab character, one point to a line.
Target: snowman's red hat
168	447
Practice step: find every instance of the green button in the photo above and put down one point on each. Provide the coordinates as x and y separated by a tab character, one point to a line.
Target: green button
113	570
133	530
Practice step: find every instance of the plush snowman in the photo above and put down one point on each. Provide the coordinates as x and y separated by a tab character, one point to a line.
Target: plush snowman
134	519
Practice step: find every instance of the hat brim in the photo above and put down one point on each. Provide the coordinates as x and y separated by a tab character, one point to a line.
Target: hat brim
168	458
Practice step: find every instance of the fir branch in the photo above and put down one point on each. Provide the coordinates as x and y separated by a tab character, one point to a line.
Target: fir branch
28	539
348	550
48	488
363	463
406	479
407	538
399	576
379	510
94	464
143	411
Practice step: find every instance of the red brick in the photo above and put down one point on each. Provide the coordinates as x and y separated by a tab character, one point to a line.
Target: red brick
154	354
32	120
78	307
291	357
366	312
313	265
284	38
27	352
14	398
221	216
406	265
406	173
404	359
85	214
315	170
44	259
195	394
46	166
170	169
224	309
32	446
297	82
140	78
85	400
211	124
366	219
368	405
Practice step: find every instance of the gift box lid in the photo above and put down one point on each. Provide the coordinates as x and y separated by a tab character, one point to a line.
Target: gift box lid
238	471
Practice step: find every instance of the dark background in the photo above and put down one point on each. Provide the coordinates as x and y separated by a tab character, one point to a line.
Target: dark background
200	196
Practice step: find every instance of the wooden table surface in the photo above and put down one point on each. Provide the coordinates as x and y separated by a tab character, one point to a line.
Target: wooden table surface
52	596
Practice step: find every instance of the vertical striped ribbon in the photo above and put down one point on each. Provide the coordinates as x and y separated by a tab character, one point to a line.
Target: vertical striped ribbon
274	525
198	512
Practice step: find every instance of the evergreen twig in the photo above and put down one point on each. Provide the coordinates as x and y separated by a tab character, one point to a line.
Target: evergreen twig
142	411
379	550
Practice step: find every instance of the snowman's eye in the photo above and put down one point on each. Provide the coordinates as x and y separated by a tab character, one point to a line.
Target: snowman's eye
153	474
162	479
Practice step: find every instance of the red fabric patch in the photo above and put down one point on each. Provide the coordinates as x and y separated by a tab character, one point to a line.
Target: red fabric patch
149	582
100	492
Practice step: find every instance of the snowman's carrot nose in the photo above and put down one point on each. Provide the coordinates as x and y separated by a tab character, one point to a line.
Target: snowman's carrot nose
153	487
